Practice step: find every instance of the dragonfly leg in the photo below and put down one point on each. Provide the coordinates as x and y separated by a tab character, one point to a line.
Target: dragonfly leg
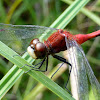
63	60
32	65
57	70
38	69
19	54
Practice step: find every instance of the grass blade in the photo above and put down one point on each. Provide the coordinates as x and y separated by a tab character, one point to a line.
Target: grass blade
86	12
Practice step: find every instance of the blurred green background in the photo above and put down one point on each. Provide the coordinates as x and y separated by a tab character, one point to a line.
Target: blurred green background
44	13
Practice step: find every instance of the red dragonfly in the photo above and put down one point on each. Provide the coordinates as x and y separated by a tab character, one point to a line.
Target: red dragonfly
18	37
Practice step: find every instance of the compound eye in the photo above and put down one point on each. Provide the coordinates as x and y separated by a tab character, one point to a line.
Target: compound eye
40	47
34	41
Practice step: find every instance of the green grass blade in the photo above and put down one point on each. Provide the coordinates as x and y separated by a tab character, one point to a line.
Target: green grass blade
86	12
69	14
12	9
40	88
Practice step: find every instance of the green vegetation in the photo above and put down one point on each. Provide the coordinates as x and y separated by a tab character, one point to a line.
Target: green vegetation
65	14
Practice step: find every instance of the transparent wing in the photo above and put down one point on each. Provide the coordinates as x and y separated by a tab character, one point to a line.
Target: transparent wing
18	37
81	66
94	82
78	71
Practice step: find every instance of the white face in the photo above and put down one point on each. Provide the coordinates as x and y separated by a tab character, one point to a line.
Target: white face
37	50
31	52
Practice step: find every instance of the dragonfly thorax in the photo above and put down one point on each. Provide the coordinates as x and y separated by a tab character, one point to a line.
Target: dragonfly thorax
37	49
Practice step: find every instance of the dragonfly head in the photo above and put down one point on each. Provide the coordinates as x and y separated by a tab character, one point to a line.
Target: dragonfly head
37	49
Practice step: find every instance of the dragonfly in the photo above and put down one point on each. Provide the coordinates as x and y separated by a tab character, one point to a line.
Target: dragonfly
40	42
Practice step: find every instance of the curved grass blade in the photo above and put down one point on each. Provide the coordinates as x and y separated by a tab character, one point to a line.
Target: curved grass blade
86	12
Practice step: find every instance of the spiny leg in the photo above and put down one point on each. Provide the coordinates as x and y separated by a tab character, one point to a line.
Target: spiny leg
57	70
20	54
41	63
64	60
32	65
